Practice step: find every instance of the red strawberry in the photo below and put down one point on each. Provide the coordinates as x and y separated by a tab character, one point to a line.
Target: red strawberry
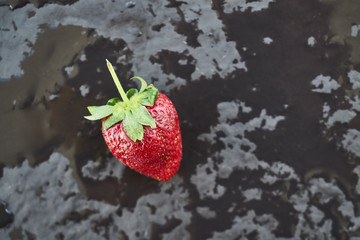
142	131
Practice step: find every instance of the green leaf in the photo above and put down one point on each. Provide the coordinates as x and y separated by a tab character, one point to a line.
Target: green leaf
149	97
113	101
131	109
153	93
143	83
111	121
131	92
99	112
133	129
145	101
142	116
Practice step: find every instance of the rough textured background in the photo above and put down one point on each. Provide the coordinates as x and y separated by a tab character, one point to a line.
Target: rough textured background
267	93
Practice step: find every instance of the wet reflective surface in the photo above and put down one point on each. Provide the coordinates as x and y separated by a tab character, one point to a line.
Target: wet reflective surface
267	94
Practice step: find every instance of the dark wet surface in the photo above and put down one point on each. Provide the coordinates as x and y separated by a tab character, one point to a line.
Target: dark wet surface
6	216
13	4
266	154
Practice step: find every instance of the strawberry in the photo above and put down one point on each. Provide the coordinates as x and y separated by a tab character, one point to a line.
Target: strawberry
142	130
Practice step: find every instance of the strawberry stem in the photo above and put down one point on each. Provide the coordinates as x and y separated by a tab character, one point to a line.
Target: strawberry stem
117	82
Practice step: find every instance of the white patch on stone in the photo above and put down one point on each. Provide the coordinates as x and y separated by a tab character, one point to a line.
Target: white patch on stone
326	110
206	212
265	122
330	191
252	194
53	97
355	102
262	225
324	84
182	61
169	203
232	207
122	59
205	181
267	40
354	77
279	171
69	70
94	170
243	5
355	30
303	229
244	108
84	90
233	156
227	111
300	201
351	141
45	194
311	41
215	55
269	178
53	186
316	214
130	4
340	116
83	57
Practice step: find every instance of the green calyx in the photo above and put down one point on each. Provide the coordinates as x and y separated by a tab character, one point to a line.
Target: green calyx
131	109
